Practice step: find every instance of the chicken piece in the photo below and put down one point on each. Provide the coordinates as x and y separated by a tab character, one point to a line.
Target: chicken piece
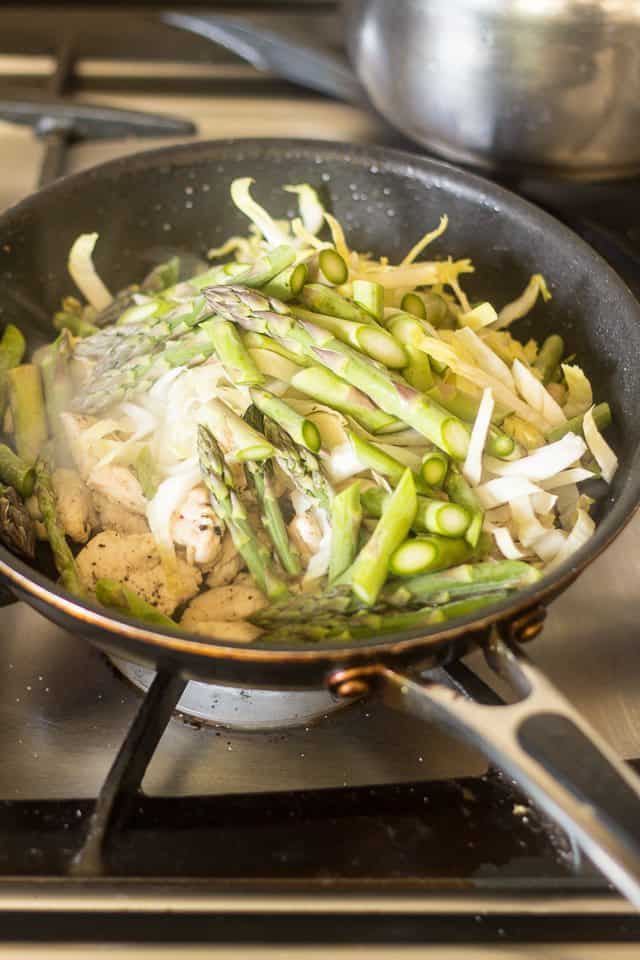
73	424
306	534
228	564
233	631
197	528
75	508
112	516
119	484
136	562
233	602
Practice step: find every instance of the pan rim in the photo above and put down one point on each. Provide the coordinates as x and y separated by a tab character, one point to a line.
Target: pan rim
407	164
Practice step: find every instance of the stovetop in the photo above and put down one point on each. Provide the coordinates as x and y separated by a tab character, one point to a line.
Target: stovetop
364	805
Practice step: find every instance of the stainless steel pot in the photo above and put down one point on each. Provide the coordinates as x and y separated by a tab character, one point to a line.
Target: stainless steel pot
507	83
547	85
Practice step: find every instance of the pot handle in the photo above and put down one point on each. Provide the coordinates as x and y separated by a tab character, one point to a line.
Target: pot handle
542	741
301	63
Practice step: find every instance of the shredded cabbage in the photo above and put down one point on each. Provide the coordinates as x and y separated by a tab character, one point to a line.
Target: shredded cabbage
428	238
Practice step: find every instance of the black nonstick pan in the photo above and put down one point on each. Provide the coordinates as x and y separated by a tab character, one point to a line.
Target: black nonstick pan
178	200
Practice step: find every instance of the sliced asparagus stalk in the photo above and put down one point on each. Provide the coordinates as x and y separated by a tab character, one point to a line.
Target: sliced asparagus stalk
320	299
460	492
288	284
418	370
462	581
435	465
54	363
429	553
601	415
369	296
370	568
299	428
260	474
346	517
371	339
549	357
16	472
62	556
333	266
28	411
240	441
12	351
432	516
414	304
325	387
227	505
261	342
232	352
299	464
112	593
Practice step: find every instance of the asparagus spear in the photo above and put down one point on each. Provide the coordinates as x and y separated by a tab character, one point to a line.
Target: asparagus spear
260	474
435	465
414	304
429	553
462	581
432	516
370	568
549	357
261	342
241	441
601	415
15	472
56	379
227	505
418	370
162	276
288	284
299	464
333	266
324	300
62	556
27	410
232	352
346	517
299	428
462	404
305	607
325	387
266	267
390	393
369	338
112	593
17	530
12	351
369	296
460	492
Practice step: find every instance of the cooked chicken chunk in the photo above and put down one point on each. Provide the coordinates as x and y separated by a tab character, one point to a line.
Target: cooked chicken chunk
119	484
233	631
196	527
228	564
75	508
306	534
233	602
135	561
112	516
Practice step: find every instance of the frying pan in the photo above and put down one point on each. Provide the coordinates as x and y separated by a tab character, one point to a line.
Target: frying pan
176	200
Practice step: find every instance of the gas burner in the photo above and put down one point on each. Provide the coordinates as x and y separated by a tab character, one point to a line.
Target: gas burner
236	709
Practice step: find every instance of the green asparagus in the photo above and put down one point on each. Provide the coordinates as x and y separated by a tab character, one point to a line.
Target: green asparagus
369	296
17	530
12	351
325	387
27	410
601	416
288	284
16	472
346	517
232	352
62	556
460	492
302	430
429	553
320	299
369	338
333	266
112	593
227	505
435	465
432	516
549	357
299	464
461	581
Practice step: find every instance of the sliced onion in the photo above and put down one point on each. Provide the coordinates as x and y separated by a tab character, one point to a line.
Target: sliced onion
311	210
528	527
574	475
503	490
524	303
582	531
504	541
604	455
241	196
83	272
484	356
545	463
472	467
544	503
169	495
536	395
550	544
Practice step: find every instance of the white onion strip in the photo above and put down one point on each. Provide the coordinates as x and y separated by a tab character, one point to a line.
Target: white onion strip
504	541
83	272
536	395
582	531
503	490
484	356
528	527
574	475
472	467
544	463
604	455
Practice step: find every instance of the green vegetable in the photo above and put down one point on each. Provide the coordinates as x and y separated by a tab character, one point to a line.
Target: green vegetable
227	505
462	581
62	556
460	492
333	267
320	299
414	304
549	357
371	339
232	352
12	351
28	411
145	471
432	516
325	387
601	416
434	468
112	593
17	530
299	464
288	284
299	428
369	296
369	570
346	517
432	552
15	472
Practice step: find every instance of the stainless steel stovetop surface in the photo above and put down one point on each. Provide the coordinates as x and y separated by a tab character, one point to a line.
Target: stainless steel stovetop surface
64	709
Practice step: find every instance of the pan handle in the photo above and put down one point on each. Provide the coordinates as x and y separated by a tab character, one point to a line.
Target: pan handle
542	742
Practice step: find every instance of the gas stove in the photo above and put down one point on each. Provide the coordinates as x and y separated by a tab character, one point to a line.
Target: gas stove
267	819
